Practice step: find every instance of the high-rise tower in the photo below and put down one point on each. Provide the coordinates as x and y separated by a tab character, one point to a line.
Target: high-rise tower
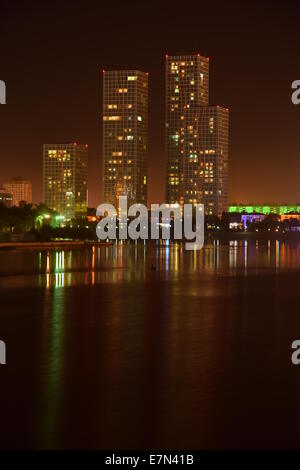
205	158
65	178
125	136
196	137
187	85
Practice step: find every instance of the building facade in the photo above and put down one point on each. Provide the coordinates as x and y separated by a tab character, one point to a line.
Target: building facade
187	86
125	136
265	209
196	137
65	178
20	189
205	158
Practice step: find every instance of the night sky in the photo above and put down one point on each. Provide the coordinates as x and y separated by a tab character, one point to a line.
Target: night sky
52	55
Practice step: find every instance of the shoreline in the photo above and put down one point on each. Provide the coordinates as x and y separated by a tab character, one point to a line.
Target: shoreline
52	244
221	236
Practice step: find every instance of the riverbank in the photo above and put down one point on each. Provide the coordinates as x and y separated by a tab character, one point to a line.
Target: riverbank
227	236
209	237
65	244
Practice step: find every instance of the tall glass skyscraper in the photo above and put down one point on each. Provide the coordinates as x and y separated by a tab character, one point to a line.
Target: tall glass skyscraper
20	189
65	178
187	84
125	136
205	158
196	137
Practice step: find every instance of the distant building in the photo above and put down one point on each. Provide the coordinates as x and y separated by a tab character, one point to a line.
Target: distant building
125	136
205	157
65	178
290	217
6	198
20	189
251	218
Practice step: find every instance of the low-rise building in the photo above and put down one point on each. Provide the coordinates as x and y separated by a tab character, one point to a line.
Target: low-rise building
6	198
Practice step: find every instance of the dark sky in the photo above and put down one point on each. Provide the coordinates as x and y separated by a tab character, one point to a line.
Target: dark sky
52	55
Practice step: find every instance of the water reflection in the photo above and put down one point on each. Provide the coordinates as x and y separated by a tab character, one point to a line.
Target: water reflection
123	262
137	345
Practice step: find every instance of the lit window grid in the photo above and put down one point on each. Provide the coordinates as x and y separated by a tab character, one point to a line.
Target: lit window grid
125	173
65	178
191	80
206	176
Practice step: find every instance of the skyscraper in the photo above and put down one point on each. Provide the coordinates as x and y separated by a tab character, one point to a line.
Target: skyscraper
65	178
125	135
205	158
187	85
20	189
196	137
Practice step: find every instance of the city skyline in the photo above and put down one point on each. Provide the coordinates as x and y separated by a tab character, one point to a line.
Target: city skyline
263	121
149	232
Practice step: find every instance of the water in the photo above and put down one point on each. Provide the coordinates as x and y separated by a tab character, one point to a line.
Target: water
104	351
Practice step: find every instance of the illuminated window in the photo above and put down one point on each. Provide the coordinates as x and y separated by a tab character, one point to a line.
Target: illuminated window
111	118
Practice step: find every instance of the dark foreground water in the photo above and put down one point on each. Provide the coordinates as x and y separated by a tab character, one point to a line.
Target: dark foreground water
105	352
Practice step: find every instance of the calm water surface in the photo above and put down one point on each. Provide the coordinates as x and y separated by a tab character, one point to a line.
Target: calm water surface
104	351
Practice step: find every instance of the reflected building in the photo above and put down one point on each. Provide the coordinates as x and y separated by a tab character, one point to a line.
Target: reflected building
65	178
125	136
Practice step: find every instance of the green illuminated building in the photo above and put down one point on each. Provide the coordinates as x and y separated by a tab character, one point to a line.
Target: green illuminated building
265	209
